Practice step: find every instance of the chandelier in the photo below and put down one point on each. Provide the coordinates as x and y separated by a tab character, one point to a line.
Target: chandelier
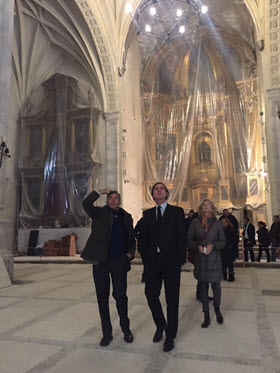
167	19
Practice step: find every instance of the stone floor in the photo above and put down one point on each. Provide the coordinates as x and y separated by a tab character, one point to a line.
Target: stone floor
50	324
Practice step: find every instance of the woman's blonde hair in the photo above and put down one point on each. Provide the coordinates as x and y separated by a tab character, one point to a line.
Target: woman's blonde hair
214	210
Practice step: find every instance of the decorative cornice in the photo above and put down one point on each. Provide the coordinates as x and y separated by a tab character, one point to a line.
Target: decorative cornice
274	40
102	50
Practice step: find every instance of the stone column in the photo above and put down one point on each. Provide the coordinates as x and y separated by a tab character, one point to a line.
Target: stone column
112	150
273	148
271	72
6	34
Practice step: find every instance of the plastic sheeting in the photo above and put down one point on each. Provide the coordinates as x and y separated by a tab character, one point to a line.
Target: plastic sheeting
58	153
202	135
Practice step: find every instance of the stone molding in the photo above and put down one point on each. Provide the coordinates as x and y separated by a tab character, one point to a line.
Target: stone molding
273	93
102	50
112	149
274	41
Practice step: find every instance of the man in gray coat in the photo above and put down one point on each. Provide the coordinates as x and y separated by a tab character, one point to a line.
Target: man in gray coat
110	248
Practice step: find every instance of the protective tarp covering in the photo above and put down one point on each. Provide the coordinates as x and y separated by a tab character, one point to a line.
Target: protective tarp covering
58	155
202	135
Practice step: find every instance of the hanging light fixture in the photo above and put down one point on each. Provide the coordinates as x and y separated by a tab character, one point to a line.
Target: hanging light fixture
167	19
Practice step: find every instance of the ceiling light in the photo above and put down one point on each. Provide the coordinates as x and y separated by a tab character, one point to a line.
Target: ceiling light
148	28
182	29
129	9
204	9
179	12
159	18
153	11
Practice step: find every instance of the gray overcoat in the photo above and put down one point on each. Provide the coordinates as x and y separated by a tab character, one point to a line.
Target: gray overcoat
207	268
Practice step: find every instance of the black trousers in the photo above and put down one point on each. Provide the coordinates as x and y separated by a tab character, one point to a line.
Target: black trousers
227	264
117	267
261	248
198	291
170	275
248	246
273	252
217	292
236	250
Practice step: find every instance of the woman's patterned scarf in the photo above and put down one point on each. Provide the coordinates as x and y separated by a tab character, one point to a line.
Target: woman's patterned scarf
205	223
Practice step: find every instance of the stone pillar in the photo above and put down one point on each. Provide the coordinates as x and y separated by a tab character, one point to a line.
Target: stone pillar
112	150
6	34
273	148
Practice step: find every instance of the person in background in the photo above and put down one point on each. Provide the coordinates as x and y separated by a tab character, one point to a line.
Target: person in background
207	238
191	216
110	247
264	240
249	239
275	236
137	233
234	222
228	252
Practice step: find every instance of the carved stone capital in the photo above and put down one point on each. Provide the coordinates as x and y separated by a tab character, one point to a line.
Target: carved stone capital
273	94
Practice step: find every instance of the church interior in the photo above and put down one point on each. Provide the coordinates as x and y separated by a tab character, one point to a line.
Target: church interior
121	94
107	94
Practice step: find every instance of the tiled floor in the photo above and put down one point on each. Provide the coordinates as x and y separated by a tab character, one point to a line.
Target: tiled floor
50	324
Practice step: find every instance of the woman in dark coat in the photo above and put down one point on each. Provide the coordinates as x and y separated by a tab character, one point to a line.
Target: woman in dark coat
264	240
206	238
228	254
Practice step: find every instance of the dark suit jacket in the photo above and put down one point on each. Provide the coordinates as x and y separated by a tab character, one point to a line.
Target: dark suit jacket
251	233
96	248
172	241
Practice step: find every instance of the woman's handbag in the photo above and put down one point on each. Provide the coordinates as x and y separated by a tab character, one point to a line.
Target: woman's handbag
191	257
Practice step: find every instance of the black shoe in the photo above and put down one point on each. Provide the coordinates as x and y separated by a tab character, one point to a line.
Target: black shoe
128	336
219	316
168	344
158	335
210	299
105	341
225	275
206	321
231	278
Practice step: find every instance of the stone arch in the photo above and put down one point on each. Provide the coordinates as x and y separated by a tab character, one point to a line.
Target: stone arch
60	37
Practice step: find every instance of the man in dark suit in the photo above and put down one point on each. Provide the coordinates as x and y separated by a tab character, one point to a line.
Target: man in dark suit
249	239
110	248
163	245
